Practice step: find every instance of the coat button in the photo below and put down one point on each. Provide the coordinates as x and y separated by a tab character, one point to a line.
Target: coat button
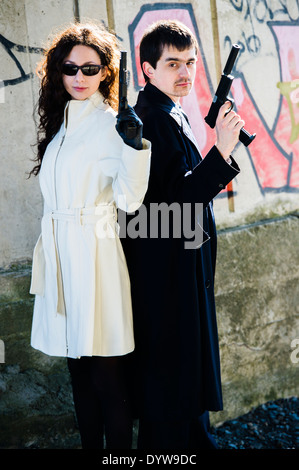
221	185
208	283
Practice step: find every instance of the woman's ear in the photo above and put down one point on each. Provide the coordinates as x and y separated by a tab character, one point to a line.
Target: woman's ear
104	73
148	69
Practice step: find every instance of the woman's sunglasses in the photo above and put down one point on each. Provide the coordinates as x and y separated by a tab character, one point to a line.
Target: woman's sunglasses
88	70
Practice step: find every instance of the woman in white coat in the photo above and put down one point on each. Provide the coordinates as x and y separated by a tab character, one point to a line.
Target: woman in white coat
87	169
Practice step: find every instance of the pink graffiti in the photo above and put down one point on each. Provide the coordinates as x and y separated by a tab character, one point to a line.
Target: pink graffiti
274	155
271	166
288	40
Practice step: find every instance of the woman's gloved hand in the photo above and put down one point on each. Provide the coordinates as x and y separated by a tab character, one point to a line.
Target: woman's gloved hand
129	127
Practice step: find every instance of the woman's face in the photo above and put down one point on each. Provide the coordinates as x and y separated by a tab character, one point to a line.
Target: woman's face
81	86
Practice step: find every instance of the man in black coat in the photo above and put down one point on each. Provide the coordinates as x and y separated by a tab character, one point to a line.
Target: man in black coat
177	354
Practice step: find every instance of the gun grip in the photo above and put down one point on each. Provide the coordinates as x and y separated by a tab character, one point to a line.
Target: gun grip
131	130
245	137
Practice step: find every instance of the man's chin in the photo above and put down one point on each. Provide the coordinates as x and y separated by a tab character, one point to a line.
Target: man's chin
184	92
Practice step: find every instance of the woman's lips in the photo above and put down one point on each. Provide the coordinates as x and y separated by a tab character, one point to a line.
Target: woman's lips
80	88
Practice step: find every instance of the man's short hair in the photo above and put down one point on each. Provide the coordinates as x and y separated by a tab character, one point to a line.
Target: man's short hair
164	33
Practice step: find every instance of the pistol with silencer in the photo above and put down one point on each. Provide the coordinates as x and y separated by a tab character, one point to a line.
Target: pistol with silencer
221	96
131	129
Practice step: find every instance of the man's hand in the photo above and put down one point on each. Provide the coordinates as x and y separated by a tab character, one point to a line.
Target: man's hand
228	126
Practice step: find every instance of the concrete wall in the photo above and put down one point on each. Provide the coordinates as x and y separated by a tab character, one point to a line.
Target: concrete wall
257	289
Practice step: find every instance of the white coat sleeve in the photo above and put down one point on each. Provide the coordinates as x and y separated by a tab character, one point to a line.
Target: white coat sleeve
131	182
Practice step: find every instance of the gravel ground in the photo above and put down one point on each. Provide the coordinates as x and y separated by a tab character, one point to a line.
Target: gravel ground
273	425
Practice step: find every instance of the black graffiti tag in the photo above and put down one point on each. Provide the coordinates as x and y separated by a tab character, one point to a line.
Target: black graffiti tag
10	49
263	10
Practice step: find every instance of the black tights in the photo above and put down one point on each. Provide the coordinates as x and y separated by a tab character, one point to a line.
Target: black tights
101	401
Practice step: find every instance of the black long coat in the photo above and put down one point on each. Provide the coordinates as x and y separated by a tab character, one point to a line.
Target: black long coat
177	354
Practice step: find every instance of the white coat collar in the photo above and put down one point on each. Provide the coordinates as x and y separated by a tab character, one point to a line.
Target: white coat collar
77	111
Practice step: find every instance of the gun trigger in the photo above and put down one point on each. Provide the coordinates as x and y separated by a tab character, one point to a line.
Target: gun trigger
231	103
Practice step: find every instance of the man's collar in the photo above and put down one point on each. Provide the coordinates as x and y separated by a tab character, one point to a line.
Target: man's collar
158	95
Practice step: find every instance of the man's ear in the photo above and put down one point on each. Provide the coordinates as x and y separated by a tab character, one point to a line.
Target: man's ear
148	69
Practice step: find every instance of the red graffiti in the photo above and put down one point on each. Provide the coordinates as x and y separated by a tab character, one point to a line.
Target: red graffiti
275	152
270	164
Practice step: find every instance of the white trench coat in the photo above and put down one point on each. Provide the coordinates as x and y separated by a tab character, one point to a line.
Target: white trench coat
79	274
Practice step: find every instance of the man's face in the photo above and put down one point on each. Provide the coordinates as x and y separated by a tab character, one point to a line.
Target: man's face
174	73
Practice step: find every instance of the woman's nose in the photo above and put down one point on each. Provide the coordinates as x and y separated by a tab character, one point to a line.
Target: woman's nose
80	76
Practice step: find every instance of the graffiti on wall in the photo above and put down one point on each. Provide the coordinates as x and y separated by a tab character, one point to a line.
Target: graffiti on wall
274	155
11	48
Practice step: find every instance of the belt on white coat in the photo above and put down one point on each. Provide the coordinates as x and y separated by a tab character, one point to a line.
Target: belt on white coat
103	216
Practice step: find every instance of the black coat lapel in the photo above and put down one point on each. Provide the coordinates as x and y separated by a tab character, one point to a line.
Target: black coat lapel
152	96
184	124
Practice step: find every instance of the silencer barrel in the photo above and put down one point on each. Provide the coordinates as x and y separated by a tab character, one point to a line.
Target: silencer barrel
231	59
123	81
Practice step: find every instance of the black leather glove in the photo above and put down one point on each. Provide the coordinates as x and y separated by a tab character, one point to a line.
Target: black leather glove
129	127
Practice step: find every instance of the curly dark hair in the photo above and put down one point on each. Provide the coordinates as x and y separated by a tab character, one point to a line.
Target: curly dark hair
53	96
